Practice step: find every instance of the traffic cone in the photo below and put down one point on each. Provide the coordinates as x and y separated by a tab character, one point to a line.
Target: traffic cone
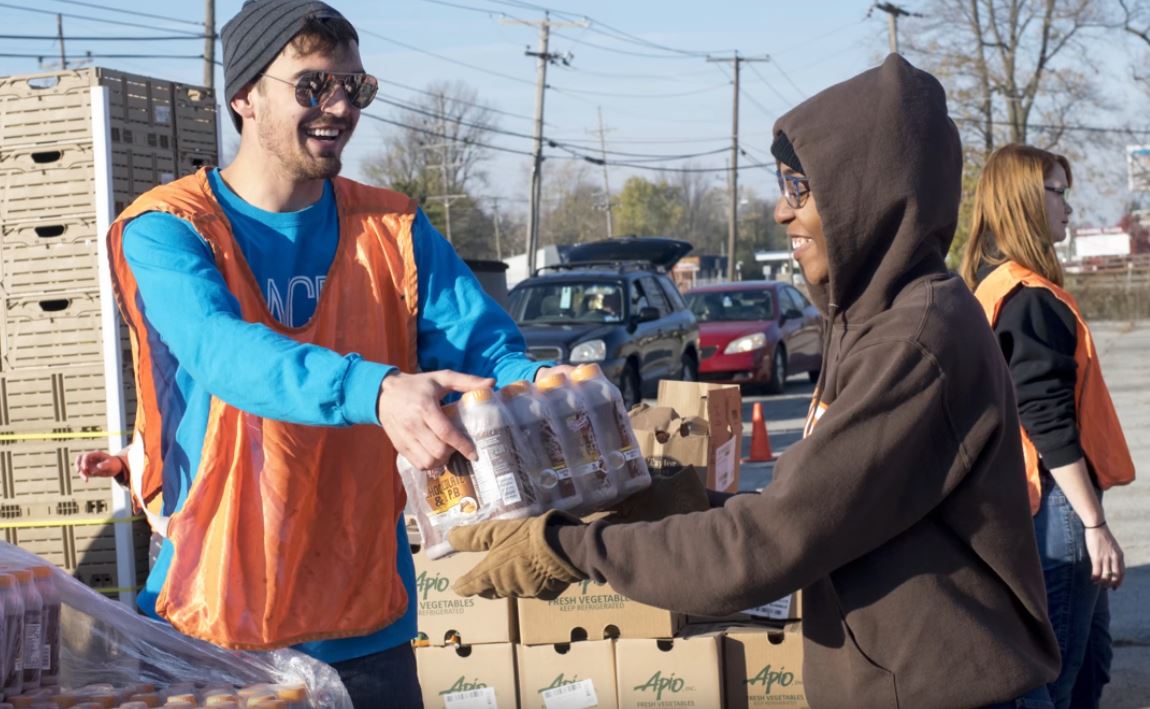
760	441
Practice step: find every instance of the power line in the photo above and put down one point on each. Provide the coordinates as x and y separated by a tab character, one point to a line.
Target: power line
425	92
787	77
443	136
616	50
609	94
96	19
100	6
587	158
457	62
100	38
747	95
634	157
1050	126
105	56
769	85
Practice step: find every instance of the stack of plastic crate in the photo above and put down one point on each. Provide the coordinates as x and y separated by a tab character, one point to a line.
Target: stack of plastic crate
56	400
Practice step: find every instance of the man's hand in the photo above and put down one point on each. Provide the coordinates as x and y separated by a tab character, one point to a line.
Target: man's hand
99	464
409	411
519	561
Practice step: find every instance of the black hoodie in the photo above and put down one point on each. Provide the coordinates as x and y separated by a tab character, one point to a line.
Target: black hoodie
904	514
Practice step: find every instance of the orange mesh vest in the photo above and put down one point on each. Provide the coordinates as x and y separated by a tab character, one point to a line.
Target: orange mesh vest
1099	431
288	532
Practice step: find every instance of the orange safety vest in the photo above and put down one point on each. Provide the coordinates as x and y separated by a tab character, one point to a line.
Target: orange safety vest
288	531
1099	432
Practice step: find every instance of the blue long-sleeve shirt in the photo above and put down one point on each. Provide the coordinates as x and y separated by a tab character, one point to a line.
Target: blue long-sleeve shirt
195	324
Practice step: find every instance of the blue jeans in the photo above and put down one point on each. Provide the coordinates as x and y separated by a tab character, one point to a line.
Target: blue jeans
385	679
1072	599
1037	698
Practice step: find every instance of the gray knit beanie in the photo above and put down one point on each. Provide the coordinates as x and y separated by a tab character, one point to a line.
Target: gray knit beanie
785	153
256	35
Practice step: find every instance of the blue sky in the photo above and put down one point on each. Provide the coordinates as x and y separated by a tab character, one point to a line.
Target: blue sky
671	102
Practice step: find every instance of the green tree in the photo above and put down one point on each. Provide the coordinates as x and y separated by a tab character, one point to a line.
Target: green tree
646	208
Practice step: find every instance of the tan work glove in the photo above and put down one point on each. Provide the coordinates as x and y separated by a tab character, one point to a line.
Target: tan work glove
678	493
519	561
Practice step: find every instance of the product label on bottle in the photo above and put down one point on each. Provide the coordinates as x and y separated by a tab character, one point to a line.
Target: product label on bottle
498	469
553	449
580	426
453	489
630	449
32	644
18	652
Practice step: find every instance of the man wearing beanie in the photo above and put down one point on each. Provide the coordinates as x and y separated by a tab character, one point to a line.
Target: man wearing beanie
902	514
292	332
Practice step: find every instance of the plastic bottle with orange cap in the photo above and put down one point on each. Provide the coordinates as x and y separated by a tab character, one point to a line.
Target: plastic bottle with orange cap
500	476
543	452
32	642
577	438
613	428
12	653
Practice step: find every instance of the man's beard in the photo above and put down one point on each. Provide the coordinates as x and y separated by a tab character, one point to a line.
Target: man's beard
294	157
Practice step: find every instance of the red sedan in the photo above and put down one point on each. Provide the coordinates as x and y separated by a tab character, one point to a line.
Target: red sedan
756	333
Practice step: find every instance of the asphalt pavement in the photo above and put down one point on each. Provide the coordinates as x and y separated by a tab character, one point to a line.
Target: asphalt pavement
1124	349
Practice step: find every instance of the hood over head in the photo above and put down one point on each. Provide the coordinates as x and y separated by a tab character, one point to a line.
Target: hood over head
884	162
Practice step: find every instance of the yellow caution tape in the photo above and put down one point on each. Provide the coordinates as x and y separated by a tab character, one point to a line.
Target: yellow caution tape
85	522
12	437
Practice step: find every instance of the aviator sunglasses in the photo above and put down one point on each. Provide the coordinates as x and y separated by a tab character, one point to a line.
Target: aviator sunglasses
313	88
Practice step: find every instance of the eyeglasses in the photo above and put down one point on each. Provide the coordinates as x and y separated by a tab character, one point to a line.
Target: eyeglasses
1063	192
794	189
314	88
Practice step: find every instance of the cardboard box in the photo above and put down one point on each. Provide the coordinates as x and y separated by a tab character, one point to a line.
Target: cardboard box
485	674
443	614
764	668
583	673
705	430
787	608
661	674
593	611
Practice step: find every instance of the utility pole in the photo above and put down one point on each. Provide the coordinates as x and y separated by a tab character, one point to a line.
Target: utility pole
545	57
443	148
209	43
893	12
495	215
60	34
606	178
733	219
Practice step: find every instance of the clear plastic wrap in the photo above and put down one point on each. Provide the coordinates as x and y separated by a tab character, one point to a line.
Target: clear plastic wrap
106	643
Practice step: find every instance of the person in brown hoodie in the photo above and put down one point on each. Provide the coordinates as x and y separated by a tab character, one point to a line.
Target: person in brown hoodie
903	513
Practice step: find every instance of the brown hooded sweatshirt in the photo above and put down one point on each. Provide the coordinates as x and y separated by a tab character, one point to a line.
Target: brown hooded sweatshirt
903	516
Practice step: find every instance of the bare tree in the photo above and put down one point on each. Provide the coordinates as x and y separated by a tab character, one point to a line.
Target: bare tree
1136	21
438	153
1016	70
704	215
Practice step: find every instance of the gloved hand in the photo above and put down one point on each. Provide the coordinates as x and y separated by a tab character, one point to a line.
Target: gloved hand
519	561
678	493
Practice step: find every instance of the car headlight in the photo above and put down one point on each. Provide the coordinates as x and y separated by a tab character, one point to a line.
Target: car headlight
749	343
589	351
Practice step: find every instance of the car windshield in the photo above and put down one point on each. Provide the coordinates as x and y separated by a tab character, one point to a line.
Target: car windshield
567	302
732	306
